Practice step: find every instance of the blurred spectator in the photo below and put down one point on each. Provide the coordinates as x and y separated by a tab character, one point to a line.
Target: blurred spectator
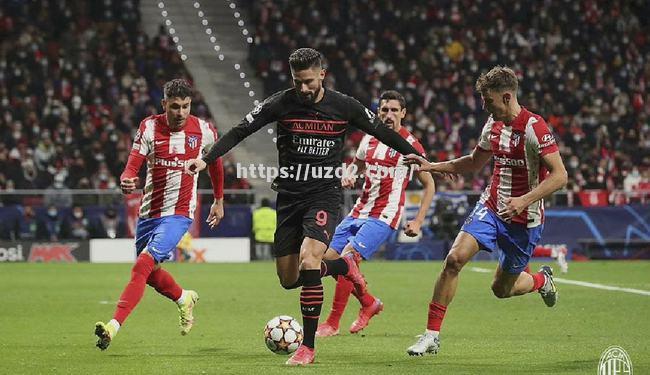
52	224
27	226
632	180
264	222
75	79
109	225
76	226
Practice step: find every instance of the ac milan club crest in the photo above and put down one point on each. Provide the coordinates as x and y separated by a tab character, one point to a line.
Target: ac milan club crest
192	141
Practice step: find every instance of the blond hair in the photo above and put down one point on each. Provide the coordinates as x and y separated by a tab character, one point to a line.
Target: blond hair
499	78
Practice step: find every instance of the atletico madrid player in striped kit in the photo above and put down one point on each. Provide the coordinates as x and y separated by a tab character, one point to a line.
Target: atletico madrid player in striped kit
165	142
509	216
378	211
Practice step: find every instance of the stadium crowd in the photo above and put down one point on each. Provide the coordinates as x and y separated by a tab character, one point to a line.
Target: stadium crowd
76	78
583	65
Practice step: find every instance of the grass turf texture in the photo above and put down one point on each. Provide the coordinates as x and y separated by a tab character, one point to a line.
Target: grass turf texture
46	325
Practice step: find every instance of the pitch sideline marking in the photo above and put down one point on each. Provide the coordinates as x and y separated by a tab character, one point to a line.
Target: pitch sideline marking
581	283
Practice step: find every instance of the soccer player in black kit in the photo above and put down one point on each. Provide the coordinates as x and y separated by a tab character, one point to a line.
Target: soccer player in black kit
311	125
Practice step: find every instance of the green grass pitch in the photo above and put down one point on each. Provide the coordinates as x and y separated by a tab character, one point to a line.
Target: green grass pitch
49	311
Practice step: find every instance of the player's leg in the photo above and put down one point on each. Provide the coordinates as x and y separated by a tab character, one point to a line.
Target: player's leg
162	245
478	232
144	265
319	223
517	244
311	299
344	287
367	241
286	267
287	240
155	240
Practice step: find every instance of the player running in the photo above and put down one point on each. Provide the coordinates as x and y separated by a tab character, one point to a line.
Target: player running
311	126
165	141
510	214
377	212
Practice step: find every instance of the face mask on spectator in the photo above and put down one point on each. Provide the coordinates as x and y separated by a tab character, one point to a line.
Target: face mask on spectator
52	212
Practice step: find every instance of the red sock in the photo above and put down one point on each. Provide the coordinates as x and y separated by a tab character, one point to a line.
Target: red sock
135	288
165	284
538	281
366	299
341	295
436	315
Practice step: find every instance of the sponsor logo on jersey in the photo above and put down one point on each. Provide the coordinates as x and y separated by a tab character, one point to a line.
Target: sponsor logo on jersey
176	163
370	114
547	140
502	160
250	117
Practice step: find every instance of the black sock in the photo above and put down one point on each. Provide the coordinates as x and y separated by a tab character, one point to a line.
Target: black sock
311	302
333	267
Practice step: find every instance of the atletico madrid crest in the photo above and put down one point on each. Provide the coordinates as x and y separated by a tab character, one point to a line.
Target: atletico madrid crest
192	141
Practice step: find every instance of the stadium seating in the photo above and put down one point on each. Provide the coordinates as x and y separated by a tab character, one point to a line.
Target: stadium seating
589	79
71	97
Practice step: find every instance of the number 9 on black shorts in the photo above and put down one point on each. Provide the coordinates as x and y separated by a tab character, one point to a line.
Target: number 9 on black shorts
298	217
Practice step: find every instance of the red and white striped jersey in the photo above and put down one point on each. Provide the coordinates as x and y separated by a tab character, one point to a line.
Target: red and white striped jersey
517	150
167	190
386	180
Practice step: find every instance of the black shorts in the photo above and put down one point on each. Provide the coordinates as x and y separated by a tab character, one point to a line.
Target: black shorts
313	216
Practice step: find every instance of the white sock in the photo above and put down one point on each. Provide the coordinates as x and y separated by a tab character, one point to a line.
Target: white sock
432	332
182	299
115	324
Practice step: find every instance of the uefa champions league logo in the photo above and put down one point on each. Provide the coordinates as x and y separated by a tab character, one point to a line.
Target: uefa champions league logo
615	361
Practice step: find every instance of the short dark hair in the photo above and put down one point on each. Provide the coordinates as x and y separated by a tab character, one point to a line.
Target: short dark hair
265	202
499	78
393	95
305	58
178	88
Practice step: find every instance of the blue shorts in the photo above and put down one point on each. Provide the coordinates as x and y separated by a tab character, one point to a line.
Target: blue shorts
160	235
515	241
365	235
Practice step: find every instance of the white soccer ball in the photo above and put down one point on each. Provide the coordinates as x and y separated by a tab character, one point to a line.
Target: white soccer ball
283	335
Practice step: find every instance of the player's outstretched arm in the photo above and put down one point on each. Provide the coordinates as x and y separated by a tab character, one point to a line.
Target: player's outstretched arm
465	164
261	115
412	228
556	179
216	177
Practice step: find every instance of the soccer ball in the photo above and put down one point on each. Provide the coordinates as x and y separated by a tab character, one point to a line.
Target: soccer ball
283	335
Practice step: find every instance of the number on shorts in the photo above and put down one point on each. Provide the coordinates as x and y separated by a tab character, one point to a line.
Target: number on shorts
321	218
481	213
